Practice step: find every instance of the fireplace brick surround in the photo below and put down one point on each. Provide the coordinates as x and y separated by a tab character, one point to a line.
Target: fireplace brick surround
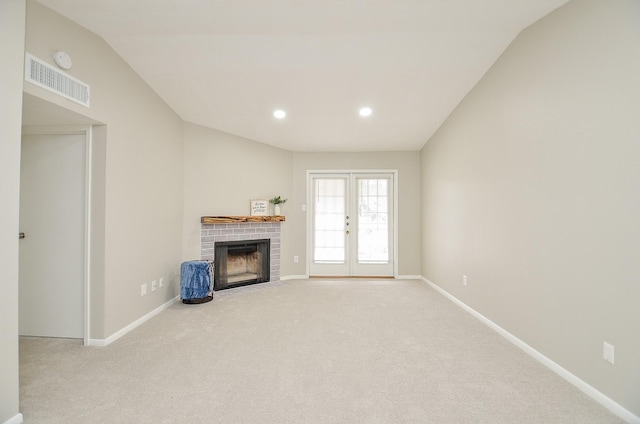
212	233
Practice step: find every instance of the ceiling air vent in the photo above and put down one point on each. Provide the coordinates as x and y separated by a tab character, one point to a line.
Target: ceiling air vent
46	76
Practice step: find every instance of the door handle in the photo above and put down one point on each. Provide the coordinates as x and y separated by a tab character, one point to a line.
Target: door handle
21	235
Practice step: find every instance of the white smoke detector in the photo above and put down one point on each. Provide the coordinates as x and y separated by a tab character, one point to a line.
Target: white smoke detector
63	60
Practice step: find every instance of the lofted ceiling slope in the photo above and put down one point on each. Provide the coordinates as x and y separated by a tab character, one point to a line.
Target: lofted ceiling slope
228	64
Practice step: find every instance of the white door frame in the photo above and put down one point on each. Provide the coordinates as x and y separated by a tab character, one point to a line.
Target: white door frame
309	209
86	131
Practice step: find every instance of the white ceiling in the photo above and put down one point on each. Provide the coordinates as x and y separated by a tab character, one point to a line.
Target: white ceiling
228	64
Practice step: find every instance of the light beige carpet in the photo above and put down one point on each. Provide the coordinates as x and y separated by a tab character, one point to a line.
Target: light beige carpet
316	351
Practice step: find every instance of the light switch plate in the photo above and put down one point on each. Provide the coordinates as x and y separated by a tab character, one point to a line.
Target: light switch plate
608	352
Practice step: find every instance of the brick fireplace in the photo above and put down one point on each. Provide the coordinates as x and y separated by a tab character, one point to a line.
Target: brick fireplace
238	228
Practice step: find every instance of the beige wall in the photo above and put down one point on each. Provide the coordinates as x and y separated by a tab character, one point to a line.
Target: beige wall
12	22
222	173
138	174
408	166
531	189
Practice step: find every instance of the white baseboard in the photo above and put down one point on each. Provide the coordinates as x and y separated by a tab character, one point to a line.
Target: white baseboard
16	419
408	277
589	390
294	277
306	277
115	336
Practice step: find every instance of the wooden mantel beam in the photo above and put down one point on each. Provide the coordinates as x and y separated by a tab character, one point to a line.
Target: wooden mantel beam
238	219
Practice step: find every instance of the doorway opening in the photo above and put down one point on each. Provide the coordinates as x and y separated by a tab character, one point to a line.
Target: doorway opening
54	226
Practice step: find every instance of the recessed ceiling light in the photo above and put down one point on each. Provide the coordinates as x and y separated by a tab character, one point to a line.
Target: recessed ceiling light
365	111
280	114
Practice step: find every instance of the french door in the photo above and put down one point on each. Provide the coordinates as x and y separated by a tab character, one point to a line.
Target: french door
351	224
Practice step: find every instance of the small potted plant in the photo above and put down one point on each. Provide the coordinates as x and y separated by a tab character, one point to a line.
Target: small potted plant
277	201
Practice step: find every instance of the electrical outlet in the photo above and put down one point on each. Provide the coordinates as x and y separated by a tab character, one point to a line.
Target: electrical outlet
608	352
143	290
154	285
296	259
464	280
161	282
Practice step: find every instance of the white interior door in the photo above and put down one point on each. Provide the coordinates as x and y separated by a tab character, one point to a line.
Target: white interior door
52	218
352	224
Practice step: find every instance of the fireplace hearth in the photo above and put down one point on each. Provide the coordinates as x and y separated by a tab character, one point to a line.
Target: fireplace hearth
240	263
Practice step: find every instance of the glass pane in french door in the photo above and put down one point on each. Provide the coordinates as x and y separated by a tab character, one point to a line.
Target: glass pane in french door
373	220
329	196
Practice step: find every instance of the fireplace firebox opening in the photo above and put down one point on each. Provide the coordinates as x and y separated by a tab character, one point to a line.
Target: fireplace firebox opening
240	263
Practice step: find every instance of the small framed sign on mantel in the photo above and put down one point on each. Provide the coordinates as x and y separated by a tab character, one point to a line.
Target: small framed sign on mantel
259	207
